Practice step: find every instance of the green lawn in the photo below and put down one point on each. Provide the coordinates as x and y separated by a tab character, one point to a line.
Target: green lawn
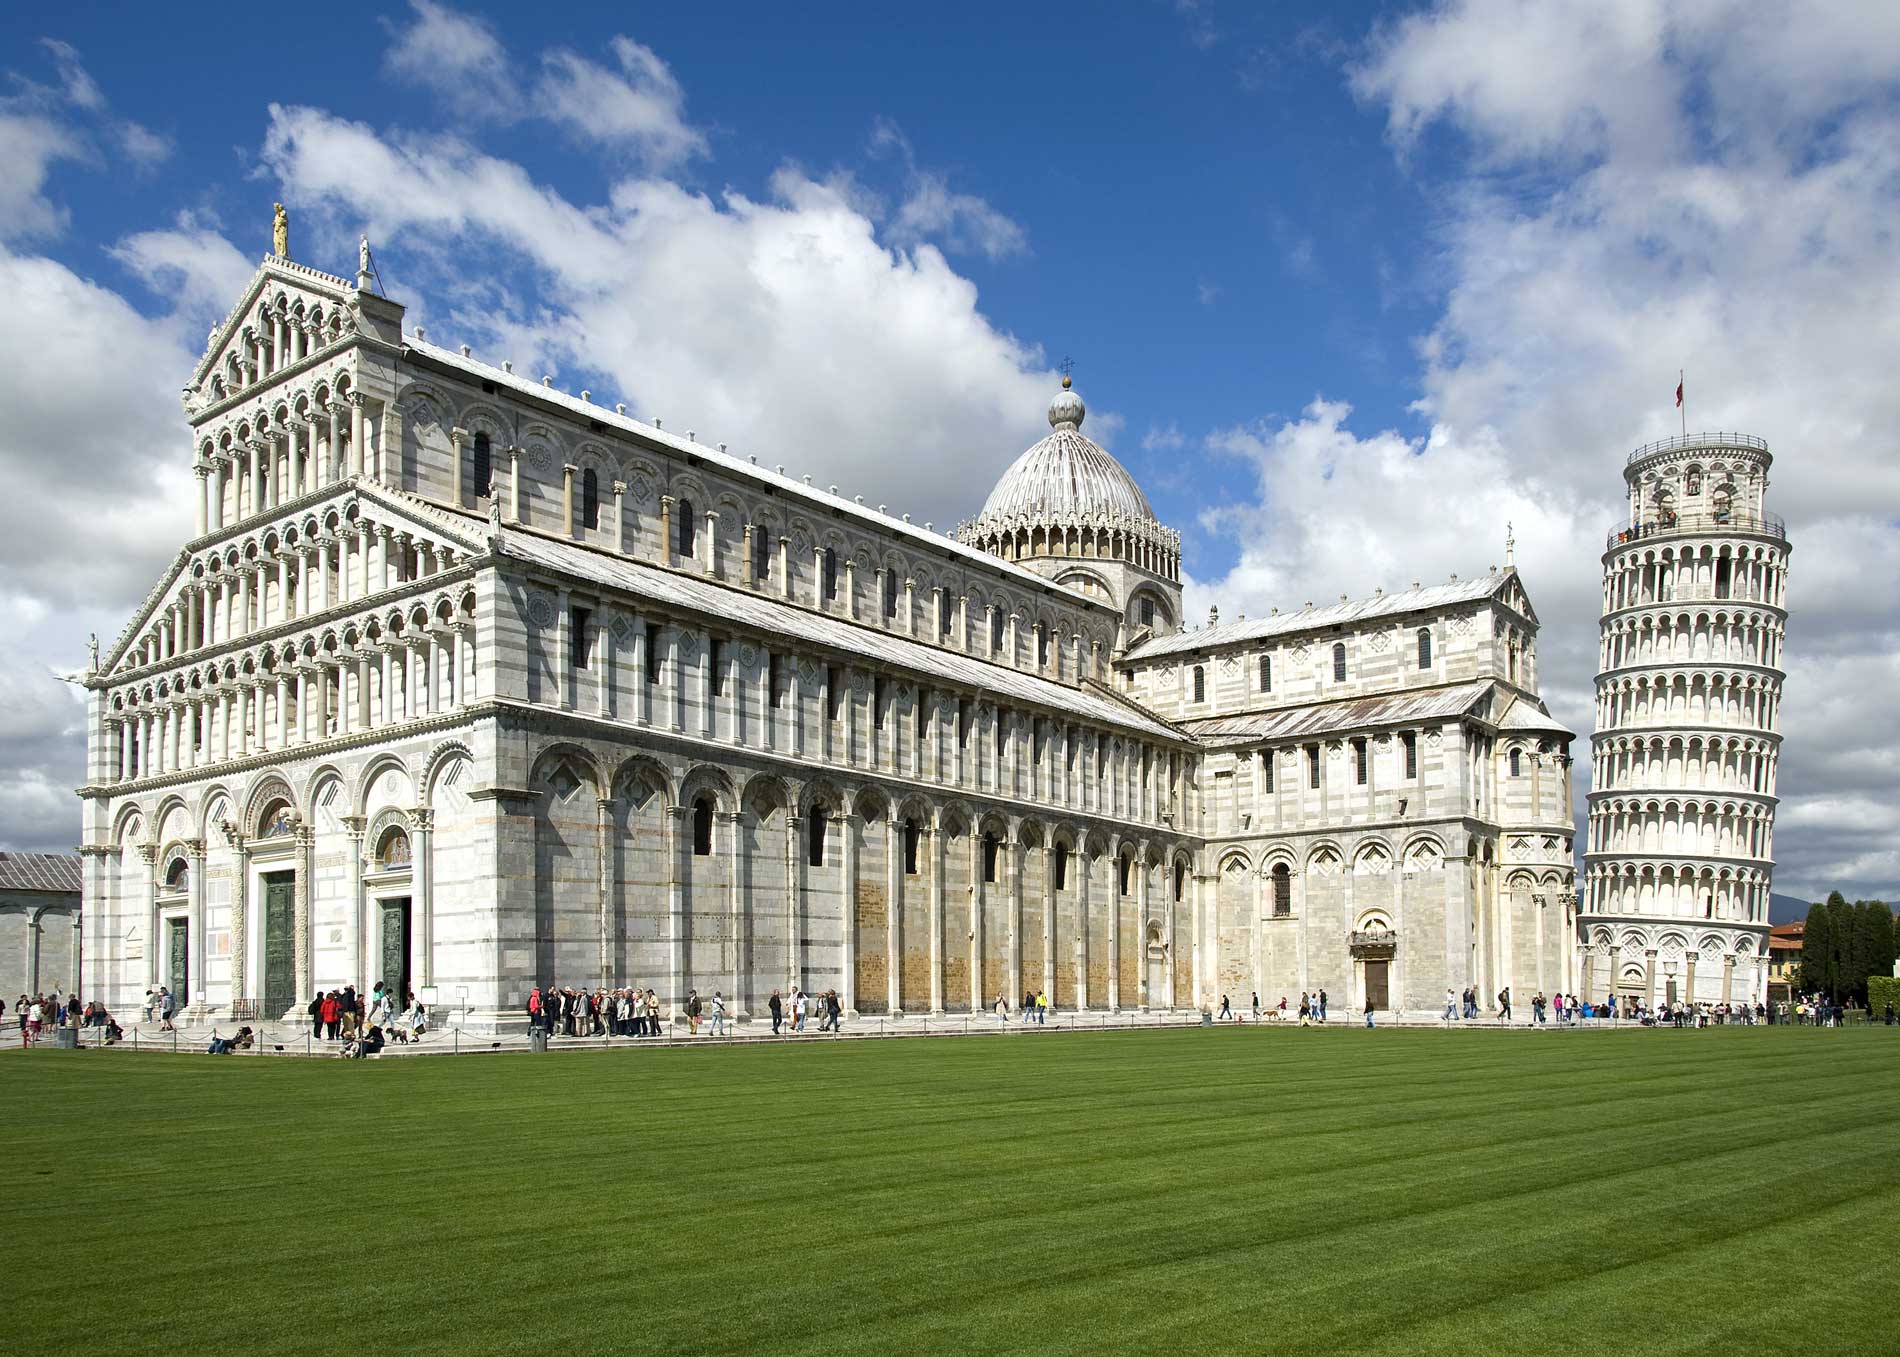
1167	1191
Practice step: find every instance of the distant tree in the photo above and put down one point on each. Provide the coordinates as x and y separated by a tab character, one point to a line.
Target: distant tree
1817	947
1840	938
1873	933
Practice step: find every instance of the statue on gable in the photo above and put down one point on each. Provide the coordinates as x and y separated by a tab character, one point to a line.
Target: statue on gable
280	231
362	255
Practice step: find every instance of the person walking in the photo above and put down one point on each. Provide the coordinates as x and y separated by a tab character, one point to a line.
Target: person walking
692	1011
1256	1005
718	1014
1042	1008
1451	1004
1322	1005
777	1005
1226	1010
1504	1004
800	1002
836	1006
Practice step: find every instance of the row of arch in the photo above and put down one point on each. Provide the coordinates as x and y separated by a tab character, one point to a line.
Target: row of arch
1142	543
1720	699
1684	638
718	526
281	329
1624	762
1665	574
1707	828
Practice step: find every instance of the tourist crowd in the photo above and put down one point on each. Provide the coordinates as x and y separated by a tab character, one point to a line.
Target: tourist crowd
40	1013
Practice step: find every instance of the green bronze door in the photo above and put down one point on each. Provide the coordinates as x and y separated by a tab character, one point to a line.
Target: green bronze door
178	961
394	972
280	989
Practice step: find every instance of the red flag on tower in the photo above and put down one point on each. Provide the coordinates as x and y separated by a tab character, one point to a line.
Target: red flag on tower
1678	392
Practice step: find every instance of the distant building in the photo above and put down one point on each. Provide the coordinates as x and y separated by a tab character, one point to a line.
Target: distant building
39	923
1784	958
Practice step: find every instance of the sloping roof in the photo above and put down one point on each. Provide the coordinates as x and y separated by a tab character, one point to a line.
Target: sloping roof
818	501
1528	715
705	596
1423	599
1352	713
40	872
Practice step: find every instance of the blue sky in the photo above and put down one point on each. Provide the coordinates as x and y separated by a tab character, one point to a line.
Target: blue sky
1349	289
1213	227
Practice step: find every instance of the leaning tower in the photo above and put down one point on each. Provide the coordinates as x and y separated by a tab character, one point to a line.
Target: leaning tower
1682	791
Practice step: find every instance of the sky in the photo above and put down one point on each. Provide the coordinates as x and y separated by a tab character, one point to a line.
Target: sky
1349	289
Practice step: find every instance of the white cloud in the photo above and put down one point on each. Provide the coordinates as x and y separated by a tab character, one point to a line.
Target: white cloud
458	57
932	210
193	265
76	84
142	146
635	106
1163	438
781	325
29	144
1635	187
640	108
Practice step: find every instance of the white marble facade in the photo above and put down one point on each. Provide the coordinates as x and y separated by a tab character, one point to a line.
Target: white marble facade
1687	743
465	681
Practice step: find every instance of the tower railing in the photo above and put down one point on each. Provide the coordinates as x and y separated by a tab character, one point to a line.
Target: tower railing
1688	524
1698	440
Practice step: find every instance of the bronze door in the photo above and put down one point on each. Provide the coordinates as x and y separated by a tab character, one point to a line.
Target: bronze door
280	987
1377	996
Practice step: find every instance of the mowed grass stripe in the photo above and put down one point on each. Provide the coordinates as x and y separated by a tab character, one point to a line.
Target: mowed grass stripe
1397	1191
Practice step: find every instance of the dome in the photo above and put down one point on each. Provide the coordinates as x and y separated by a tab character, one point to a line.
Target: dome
1067	476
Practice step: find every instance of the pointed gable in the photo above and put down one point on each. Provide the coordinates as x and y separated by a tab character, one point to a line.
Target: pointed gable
281	294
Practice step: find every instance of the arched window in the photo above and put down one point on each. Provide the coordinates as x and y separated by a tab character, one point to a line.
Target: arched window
1339	662
483	469
392	850
703	826
177	877
590	500
829	569
991	846
815	845
1424	647
944	614
996	631
1282	891
1042	646
1061	867
890	594
1126	869
1266	673
686	535
1200	684
1180	882
1516	766
912	836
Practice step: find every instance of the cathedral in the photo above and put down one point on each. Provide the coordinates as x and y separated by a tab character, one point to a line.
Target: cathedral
464	682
